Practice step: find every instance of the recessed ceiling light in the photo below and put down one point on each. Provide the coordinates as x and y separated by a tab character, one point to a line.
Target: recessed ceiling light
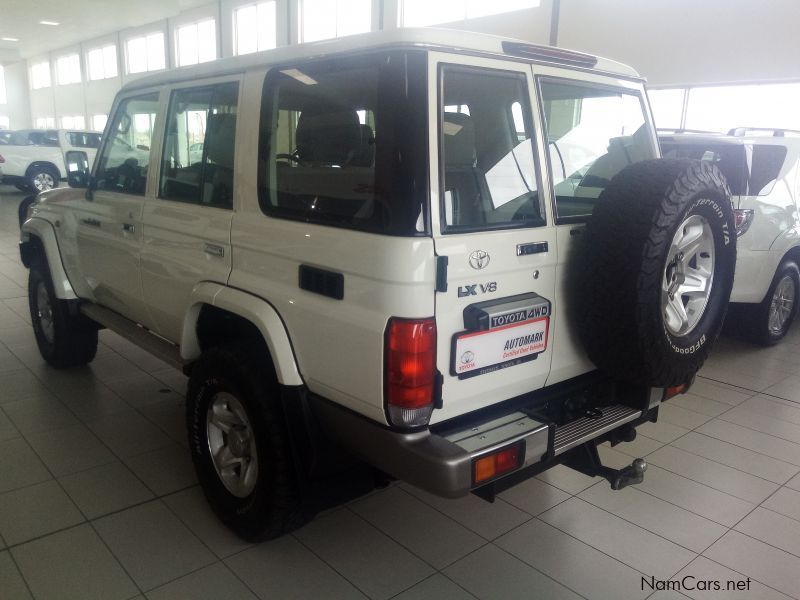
8	39
49	23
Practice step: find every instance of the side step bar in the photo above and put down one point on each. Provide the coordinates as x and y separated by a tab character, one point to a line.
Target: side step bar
587	428
158	346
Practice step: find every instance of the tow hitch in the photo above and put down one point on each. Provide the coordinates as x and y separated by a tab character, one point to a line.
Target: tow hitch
587	461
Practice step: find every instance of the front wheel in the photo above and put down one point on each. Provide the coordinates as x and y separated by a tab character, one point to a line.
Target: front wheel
239	444
65	339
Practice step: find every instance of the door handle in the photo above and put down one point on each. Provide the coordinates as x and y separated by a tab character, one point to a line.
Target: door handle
214	250
91	222
128	227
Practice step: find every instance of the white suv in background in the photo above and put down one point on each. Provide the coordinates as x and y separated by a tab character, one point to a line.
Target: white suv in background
762	167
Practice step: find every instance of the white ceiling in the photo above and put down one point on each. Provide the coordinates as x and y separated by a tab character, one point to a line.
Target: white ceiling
80	20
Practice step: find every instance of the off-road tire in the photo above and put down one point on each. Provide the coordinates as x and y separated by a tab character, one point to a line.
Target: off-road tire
623	260
74	337
24	205
753	319
273	508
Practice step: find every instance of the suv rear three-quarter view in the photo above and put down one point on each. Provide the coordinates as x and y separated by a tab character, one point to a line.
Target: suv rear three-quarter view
445	258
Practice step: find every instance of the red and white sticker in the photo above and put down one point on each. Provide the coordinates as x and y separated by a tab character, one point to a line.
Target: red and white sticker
479	352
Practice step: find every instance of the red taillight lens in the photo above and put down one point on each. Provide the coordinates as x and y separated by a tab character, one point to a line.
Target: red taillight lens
2	160
743	217
497	463
673	391
410	370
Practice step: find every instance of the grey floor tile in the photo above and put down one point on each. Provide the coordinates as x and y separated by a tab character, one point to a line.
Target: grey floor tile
759	422
777	409
94	403
587	571
152	544
766	467
142	390
435	587
112	367
12	586
373	562
702	569
170	417
789	388
491	573
7	429
700	404
192	508
683	417
19	466
215	582
55	569
713	474
752	440
534	496
70	450
785	501
18	385
488	520
129	433
794	482
36	415
429	534
667	595
165	470
657	516
284	568
638	448
566	479
775	529
720	392
618	538
105	489
173	378
36	510
757	381
662	431
769	565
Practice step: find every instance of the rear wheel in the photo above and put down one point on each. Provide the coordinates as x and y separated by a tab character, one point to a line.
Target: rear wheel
658	260
65	339
239	443
42	179
769	321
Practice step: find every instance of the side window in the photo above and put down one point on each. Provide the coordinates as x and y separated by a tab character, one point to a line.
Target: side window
197	164
593	132
489	170
122	165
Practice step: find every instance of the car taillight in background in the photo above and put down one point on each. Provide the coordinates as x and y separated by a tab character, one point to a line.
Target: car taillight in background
410	371
743	218
2	160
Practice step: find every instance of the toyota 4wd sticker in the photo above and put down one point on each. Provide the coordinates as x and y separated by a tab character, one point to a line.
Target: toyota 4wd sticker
480	352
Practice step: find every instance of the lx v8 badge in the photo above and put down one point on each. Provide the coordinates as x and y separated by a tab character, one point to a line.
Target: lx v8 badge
472	290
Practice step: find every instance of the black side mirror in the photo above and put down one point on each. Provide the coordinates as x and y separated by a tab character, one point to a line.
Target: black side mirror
78	179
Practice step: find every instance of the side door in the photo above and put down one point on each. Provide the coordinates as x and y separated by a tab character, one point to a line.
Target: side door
187	222
491	226
593	127
108	221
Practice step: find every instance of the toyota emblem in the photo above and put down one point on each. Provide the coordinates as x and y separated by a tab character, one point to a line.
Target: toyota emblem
467	357
479	259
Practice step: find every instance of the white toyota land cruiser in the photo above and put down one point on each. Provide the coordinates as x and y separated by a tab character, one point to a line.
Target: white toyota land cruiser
385	251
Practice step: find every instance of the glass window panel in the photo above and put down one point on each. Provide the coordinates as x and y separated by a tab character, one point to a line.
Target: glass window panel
721	108
68	69
5	123
593	133
667	107
267	26
3	98
326	19
137	55
246	29
99	122
156	59
196	43
421	13
187	45
40	75
110	61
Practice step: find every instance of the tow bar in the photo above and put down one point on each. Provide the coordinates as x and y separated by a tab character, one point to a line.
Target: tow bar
587	461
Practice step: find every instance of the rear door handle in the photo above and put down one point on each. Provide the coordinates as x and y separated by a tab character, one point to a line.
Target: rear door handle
128	227
214	250
91	222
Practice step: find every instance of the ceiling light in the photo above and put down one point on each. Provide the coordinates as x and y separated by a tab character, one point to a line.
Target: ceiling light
9	39
49	23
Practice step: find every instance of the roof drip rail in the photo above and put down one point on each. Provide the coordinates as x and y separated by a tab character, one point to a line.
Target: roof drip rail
776	132
550	54
678	130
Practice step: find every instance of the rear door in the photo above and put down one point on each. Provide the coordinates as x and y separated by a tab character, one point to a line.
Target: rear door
495	241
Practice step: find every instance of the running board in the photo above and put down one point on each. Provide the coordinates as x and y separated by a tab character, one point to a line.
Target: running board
587	428
136	334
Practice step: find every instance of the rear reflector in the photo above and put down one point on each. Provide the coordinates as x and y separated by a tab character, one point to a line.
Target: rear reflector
674	391
410	371
497	463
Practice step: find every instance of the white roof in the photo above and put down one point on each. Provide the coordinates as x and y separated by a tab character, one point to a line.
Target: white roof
721	138
431	38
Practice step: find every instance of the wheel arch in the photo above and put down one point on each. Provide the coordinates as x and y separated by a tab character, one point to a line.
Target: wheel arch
243	314
43	164
39	238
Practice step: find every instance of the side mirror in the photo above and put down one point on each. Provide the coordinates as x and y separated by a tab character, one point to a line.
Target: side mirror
78	179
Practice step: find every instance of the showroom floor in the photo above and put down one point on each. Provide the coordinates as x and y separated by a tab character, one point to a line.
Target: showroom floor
98	498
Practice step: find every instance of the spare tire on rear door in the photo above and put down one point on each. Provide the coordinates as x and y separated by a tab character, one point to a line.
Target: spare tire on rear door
658	258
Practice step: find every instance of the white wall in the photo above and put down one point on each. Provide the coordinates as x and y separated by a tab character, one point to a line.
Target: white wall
17	107
676	42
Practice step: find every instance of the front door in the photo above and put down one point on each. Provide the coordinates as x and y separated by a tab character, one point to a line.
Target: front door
491	226
109	231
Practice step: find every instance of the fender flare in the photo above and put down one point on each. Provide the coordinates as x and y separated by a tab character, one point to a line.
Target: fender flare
37	164
43	231
256	310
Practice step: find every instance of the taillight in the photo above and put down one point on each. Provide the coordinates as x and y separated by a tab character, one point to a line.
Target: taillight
410	371
2	160
497	463
743	217
673	391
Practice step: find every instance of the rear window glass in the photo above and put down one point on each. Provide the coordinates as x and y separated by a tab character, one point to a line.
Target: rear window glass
83	139
593	132
765	168
343	143
489	174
